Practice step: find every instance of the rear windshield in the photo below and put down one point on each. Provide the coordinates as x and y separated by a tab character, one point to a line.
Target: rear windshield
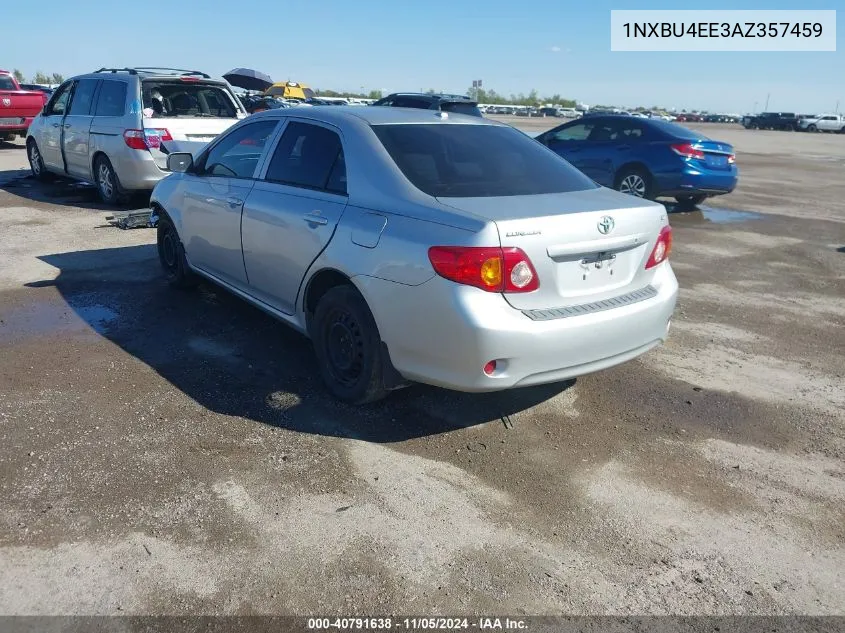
461	108
6	83
169	99
678	131
472	161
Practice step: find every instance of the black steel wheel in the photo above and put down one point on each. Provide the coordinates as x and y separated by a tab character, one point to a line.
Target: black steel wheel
171	254
348	346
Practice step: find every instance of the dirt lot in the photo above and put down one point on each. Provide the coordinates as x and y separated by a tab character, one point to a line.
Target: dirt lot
174	453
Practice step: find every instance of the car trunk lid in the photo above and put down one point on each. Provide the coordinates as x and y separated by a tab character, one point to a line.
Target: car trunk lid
16	105
712	154
585	246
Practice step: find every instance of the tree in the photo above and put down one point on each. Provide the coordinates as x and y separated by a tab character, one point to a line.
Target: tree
57	78
18	75
40	78
374	94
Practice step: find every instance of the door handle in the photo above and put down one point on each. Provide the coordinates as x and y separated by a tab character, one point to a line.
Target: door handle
67	126
234	202
315	219
55	125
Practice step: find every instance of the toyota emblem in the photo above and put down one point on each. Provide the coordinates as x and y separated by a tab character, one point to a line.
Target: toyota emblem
606	225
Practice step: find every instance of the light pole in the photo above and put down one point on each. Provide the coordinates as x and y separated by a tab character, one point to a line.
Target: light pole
766	108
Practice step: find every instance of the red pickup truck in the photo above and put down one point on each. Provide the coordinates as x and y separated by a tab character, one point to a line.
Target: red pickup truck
17	107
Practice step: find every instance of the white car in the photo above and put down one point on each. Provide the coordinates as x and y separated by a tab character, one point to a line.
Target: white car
823	123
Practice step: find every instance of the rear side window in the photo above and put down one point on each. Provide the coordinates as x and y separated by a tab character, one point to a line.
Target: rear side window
112	99
184	99
411	102
309	156
471	161
6	83
677	131
83	97
461	108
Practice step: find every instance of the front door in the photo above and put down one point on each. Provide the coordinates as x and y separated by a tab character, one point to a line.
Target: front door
291	213
50	142
76	129
214	198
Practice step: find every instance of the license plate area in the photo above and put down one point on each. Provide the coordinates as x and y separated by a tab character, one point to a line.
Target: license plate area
717	161
11	121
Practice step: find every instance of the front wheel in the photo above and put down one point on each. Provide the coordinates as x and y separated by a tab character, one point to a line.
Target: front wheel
812	128
171	254
36	162
348	346
635	182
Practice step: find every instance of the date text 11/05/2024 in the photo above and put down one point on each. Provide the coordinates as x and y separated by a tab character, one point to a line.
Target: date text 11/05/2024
417	624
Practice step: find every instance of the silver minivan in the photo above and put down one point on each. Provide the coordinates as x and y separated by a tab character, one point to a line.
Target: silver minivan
108	127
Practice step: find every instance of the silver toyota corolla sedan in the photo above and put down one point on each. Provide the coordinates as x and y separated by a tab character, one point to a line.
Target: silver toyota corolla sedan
415	245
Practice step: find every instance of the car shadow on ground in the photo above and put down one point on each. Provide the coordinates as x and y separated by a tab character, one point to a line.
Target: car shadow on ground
63	191
234	360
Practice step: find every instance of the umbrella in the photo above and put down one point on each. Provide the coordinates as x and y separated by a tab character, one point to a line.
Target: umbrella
290	90
248	79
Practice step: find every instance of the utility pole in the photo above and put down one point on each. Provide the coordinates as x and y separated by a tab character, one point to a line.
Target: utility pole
837	106
766	108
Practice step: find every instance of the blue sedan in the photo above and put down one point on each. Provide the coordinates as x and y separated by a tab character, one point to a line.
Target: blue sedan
648	158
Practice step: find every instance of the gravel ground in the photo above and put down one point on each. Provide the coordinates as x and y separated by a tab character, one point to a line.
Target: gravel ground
174	453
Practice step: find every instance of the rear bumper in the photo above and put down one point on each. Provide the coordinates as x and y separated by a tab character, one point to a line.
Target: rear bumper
692	181
137	170
18	128
443	334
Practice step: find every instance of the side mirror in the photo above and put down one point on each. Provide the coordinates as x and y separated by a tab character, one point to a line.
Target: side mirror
180	162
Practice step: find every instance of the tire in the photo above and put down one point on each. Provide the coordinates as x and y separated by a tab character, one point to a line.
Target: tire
348	346
635	182
171	255
690	202
36	162
108	184
812	128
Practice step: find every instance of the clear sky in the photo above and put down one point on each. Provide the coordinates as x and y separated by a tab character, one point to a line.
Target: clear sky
553	46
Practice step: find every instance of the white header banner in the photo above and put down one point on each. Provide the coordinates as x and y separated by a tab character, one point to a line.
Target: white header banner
710	30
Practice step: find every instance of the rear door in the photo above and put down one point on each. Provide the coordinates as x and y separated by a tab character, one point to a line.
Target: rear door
291	213
186	109
76	128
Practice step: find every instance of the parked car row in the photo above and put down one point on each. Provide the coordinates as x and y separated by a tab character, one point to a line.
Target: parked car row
790	121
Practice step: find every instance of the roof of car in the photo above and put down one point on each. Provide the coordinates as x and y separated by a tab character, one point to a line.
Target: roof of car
374	115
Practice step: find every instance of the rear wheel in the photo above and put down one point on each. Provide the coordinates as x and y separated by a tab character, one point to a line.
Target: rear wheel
348	346
108	184
171	254
635	182
690	202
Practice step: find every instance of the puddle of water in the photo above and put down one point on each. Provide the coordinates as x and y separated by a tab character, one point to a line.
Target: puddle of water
716	215
51	317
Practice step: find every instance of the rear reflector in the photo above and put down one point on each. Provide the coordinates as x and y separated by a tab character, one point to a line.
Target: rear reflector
662	248
687	151
490	367
493	268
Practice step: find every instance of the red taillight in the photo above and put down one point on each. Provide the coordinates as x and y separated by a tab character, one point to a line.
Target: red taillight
731	159
662	248
187	78
149	138
687	151
493	269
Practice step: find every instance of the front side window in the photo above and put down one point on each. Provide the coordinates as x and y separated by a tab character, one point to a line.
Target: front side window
309	156
578	132
112	99
236	155
83	97
472	161
6	83
58	104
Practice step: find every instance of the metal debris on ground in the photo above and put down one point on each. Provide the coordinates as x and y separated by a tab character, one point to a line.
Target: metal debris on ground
131	219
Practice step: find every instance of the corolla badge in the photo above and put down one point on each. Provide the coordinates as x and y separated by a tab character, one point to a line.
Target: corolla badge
7	102
606	225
